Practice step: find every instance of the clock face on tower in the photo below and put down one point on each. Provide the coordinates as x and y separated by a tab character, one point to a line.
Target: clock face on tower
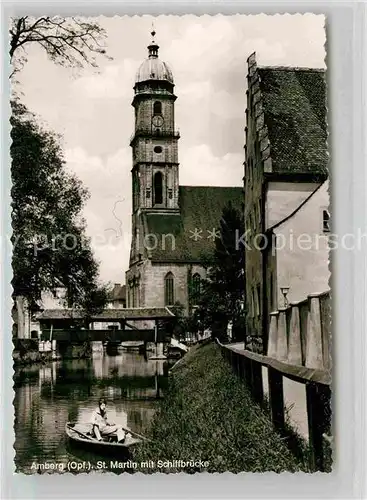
157	120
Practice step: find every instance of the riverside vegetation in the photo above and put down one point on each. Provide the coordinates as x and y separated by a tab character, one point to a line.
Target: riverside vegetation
208	414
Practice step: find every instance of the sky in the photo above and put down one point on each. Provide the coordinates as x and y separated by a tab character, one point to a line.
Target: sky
92	109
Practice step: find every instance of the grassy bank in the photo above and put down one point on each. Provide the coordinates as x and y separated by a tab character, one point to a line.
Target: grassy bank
208	415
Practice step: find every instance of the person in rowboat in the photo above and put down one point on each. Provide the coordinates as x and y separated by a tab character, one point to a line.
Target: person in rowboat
101	426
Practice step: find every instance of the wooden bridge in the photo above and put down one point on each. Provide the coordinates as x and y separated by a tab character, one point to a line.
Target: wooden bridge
69	325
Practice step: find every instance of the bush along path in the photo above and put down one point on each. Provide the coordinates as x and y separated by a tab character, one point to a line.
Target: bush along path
209	415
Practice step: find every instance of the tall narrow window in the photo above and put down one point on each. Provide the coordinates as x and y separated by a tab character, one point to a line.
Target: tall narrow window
257	151
131	294
196	288
250	171
158	188
136	239
168	289
271	292
259	211
258	300
157	108
326	221
135	190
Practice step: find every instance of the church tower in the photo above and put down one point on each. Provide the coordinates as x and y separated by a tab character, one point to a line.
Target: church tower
166	265
154	141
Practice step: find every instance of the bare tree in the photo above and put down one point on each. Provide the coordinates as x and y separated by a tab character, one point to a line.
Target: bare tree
69	42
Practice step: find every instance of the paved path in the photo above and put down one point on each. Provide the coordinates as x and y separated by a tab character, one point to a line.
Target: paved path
239	346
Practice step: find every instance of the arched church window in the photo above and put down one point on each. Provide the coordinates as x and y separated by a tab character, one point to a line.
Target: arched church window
158	188
157	108
196	288
169	289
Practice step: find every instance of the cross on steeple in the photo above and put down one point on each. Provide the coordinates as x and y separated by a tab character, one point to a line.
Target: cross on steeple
153	32
153	47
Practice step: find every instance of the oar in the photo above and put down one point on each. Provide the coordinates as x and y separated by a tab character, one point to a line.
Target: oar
82	433
136	434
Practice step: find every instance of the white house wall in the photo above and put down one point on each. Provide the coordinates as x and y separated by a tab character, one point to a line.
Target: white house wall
301	265
283	198
50	301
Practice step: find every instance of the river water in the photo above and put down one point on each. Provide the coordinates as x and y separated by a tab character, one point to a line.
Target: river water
48	396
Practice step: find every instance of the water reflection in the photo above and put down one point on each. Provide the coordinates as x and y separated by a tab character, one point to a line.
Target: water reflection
46	397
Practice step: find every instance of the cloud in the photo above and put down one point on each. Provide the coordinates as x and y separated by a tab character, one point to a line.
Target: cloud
103	176
199	167
208	57
115	81
108	210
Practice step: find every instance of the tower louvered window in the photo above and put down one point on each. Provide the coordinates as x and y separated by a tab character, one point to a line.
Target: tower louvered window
158	188
157	108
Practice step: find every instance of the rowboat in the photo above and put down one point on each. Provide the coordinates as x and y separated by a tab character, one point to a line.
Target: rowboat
81	433
132	345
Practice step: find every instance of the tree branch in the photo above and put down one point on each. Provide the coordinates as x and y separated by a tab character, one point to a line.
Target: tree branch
65	42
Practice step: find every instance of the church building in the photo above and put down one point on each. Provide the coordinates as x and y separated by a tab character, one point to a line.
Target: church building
173	227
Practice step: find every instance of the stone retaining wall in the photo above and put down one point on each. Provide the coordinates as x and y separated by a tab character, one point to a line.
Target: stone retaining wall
26	351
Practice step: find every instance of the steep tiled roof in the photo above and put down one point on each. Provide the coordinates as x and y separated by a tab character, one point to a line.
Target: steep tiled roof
200	210
118	292
108	314
294	106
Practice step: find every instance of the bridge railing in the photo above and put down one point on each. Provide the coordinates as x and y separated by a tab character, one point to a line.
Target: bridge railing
298	351
77	335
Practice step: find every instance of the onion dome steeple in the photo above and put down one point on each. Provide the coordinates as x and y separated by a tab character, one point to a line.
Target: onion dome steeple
153	68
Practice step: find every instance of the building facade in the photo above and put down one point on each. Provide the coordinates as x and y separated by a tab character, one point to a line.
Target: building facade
297	256
285	163
173	227
25	324
117	297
